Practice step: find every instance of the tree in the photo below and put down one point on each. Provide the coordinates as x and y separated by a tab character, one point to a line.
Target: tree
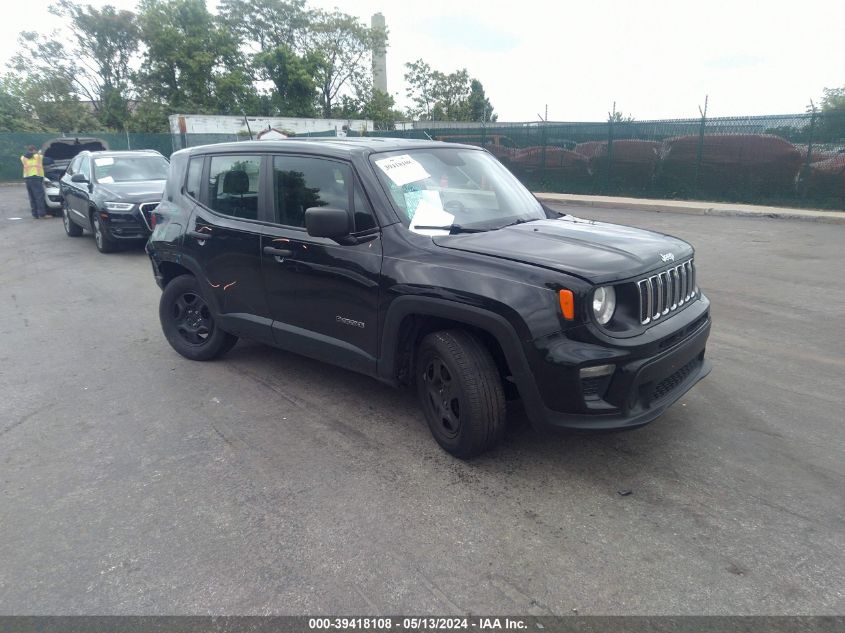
264	25
56	105
441	97
14	116
191	63
378	107
293	78
451	94
420	89
618	117
368	103
97	66
344	49
832	124
480	108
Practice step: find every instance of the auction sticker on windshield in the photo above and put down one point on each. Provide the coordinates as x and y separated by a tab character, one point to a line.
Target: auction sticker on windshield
402	169
102	162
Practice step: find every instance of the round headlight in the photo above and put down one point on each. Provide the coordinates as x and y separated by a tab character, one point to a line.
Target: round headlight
604	303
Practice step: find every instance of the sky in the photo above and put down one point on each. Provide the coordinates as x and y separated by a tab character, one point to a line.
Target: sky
655	59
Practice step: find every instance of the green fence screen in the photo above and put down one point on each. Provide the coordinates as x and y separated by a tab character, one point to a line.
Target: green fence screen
788	160
780	160
13	144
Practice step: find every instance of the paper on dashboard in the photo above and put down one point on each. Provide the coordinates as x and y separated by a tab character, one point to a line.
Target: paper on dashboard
430	212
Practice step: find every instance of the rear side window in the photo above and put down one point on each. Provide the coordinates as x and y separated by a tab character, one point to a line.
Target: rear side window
300	183
192	185
233	185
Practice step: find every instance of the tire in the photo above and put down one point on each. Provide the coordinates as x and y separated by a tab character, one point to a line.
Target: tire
188	322
460	392
71	228
104	244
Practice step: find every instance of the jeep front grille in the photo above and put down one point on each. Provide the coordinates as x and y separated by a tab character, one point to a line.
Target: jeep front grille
666	291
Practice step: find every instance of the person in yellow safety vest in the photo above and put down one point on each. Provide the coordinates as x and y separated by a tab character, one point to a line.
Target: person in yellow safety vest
33	175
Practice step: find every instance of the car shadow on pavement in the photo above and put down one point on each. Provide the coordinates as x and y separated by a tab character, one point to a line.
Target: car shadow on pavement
613	461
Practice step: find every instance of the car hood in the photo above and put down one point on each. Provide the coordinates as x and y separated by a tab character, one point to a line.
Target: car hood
596	251
137	191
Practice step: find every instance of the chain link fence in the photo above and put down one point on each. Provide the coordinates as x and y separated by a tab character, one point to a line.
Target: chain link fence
779	160
786	160
14	144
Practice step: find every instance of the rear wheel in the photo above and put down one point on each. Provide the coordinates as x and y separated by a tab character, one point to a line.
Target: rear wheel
188	323
461	393
101	239
71	228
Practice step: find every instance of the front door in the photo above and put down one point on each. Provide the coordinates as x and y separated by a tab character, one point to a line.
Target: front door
323	296
76	193
224	240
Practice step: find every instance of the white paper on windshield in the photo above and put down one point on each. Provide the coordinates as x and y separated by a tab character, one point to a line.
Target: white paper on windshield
105	180
102	162
430	212
402	169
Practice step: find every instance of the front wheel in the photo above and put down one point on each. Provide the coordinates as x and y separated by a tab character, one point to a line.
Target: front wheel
104	244
461	393
188	323
71	228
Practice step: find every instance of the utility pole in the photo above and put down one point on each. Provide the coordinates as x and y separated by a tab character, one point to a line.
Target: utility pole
700	152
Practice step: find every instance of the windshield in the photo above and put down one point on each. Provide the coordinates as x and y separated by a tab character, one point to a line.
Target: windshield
109	169
448	190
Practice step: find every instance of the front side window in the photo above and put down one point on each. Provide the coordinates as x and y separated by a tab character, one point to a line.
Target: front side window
111	169
85	168
300	183
438	191
233	185
74	166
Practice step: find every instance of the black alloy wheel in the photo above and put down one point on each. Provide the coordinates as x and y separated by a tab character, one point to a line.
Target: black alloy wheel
188	322
460	391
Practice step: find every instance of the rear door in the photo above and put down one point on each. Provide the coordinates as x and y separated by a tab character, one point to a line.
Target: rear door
323	296
224	239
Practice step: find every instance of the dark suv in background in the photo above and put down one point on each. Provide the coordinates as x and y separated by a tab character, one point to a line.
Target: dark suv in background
427	264
113	195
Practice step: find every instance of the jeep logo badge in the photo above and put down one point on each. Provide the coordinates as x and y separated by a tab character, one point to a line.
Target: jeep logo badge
667	257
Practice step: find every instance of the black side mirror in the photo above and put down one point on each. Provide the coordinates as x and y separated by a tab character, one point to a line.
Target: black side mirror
327	222
78	178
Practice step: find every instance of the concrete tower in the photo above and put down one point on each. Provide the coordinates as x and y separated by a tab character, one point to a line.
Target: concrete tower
379	57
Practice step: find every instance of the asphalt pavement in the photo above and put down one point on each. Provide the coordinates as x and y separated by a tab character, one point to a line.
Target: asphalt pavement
133	481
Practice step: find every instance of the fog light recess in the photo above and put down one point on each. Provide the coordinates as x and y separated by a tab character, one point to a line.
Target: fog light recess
597	371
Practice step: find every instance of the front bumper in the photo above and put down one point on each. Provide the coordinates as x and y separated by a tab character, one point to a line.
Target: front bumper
53	197
125	225
640	389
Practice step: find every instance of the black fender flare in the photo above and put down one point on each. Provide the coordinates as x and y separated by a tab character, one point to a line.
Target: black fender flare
495	324
190	264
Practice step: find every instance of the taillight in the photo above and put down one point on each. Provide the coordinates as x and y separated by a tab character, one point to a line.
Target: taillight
153	220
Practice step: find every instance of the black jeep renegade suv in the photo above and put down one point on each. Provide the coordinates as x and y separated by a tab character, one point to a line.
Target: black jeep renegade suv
427	264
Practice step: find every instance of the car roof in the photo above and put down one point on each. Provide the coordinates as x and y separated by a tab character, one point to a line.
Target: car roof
124	152
340	147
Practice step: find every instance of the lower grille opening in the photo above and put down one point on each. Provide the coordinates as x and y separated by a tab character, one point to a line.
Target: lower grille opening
669	384
595	388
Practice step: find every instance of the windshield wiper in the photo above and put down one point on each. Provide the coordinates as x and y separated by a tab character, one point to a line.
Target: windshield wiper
452	228
515	222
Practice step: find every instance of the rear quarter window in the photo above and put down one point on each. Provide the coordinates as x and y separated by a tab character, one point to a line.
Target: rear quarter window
193	182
